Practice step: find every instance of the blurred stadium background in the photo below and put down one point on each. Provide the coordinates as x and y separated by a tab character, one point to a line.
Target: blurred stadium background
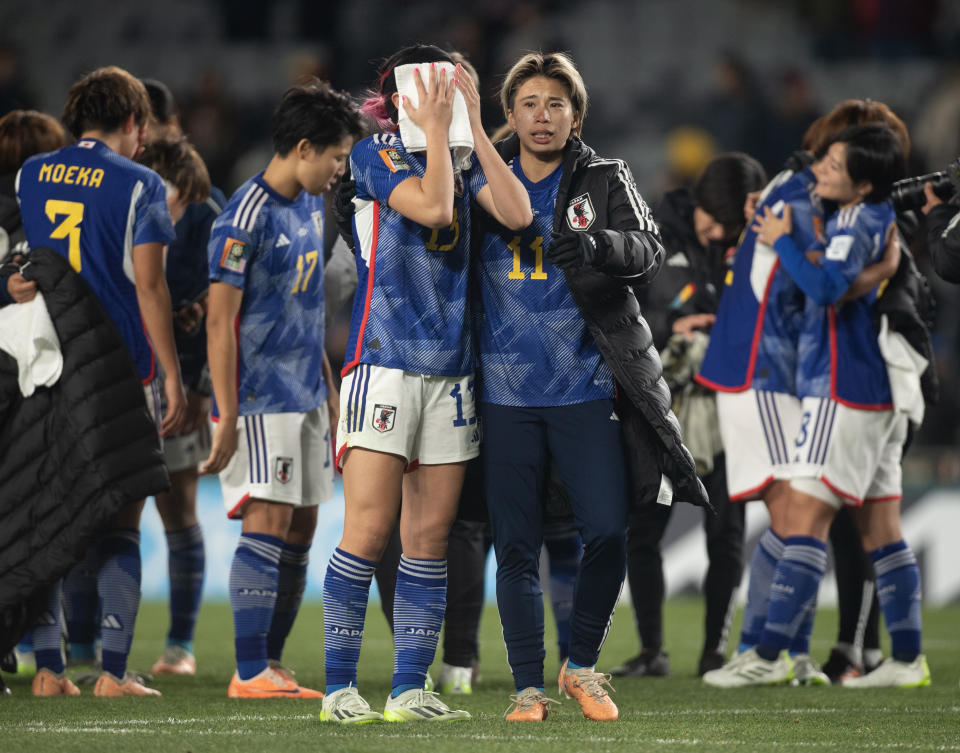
671	83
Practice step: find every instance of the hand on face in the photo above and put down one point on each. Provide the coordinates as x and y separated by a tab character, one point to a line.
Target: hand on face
471	96
435	110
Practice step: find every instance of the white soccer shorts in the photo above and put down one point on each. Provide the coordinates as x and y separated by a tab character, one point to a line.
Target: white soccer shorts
280	457
757	428
425	419
848	456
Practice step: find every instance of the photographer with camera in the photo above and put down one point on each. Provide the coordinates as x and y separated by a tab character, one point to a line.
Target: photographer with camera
943	224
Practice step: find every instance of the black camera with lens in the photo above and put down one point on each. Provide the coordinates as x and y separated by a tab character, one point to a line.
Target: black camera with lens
908	193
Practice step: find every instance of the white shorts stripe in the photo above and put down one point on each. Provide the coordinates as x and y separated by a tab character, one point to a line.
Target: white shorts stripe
767	429
785	450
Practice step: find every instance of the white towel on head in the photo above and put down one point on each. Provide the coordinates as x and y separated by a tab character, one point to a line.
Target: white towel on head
414	139
27	334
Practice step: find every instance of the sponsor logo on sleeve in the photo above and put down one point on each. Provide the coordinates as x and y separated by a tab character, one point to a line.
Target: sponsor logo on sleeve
393	160
233	257
580	214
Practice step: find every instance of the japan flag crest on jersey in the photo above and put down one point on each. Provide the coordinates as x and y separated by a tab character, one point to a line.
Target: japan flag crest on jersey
284	469
383	417
580	214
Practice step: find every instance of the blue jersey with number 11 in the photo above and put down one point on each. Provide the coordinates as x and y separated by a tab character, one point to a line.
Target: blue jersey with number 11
535	348
93	206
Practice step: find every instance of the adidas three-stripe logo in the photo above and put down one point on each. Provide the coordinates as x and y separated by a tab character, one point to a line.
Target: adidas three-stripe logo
754	673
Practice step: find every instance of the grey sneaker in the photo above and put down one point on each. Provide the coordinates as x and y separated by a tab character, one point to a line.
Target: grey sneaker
807	672
749	668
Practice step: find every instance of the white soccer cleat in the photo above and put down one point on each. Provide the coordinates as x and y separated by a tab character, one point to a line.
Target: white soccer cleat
346	706
894	674
807	672
748	668
455	680
419	705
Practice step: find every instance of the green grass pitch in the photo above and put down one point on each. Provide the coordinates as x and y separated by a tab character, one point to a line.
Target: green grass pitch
674	714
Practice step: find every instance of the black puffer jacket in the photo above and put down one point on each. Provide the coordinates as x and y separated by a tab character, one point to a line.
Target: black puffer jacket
598	196
73	454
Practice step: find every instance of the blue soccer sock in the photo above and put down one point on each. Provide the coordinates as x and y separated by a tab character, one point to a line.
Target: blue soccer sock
793	592
763	565
253	593
898	589
25	644
185	565
48	634
346	588
291	582
418	606
564	554
801	641
118	585
80	605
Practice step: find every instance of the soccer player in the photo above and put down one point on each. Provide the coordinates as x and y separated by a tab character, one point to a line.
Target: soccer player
193	207
558	323
265	329
751	363
849	445
407	394
108	216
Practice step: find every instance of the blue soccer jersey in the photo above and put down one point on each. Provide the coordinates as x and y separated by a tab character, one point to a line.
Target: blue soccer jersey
271	248
411	306
93	206
838	354
534	346
753	343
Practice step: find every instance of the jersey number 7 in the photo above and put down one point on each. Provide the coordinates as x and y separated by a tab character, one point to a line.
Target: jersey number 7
69	228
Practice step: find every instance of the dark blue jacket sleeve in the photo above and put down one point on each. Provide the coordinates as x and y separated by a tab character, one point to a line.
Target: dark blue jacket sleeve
823	285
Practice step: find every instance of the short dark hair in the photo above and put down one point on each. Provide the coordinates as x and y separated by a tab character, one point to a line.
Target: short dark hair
163	106
874	153
722	187
316	112
103	100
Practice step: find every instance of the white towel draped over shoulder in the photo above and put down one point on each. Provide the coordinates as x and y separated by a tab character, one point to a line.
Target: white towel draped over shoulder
27	334
904	368
413	137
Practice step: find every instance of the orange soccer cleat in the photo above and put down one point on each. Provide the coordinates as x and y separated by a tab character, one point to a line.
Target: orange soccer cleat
269	684
532	706
47	683
175	661
586	687
108	686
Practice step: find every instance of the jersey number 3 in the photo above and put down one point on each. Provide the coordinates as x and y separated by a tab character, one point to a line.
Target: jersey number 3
69	228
